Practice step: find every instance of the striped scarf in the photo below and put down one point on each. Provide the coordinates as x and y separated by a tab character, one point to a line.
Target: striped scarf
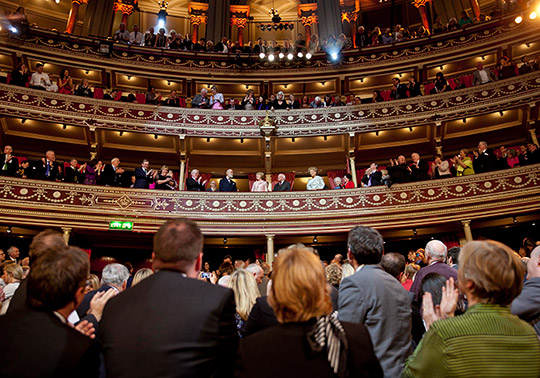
329	333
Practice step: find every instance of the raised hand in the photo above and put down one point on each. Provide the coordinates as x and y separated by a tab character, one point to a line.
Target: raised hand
450	297
86	328
99	301
429	314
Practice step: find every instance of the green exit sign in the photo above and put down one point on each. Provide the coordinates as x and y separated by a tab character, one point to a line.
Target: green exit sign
121	225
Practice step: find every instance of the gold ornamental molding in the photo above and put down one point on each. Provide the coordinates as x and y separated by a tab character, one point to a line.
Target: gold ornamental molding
198	13
429	203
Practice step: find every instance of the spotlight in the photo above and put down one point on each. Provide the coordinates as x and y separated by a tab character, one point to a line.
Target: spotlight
275	27
268	27
129	77
464	120
281	55
23	120
57	1
9	229
308	56
376	133
64	126
293	140
323	83
291	26
261	55
528	45
514	219
414	232
13	29
290	56
271	57
334	56
325	138
225	240
87	72
300	54
483	57
518	20
400	75
315	240
533	224
241	140
121	133
161	24
361	79
263	28
155	136
207	140
533	15
285	86
168	82
247	86
410	129
441	68
501	113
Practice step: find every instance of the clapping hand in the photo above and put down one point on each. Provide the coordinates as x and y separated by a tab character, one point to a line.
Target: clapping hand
446	309
86	328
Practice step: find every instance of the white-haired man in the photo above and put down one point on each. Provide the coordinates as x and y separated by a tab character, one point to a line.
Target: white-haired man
436	255
256	271
112	173
195	183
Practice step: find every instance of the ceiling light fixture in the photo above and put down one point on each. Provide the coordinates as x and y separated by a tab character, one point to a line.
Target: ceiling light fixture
121	133
225	240
9	229
207	140
410	129
501	113
464	120
293	140
155	136
315	240
23	120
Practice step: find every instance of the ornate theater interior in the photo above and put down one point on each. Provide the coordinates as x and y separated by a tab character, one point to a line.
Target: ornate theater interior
81	36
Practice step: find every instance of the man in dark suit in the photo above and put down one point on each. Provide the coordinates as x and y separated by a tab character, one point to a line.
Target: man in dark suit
399	171
372	176
8	163
72	174
226	184
534	153
112	173
171	324
40	331
361	39
418	169
113	276
484	159
282	185
194	183
49	169
400	90
143	176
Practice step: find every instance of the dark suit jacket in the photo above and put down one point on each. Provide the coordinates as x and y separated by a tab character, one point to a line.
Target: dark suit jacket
40	345
11	168
399	173
110	177
485	162
170	326
72	175
376	178
53	171
142	180
420	173
286	344
438	267
226	186
284	187
194	186
85	304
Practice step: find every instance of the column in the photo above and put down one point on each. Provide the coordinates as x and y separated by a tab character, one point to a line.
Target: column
239	18
308	17
467	229
421	5
126	7
197	16
534	138
66	233
182	174
353	170
72	18
475	8
350	17
270	249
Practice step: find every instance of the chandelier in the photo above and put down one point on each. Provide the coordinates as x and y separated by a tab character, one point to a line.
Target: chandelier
276	19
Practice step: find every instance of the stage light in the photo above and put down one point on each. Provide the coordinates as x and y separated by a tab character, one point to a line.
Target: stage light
161	24
271	57
13	29
293	140
281	55
300	54
263	28
414	232
533	15
325	138
23	120
207	140
87	72
334	56
261	55
518	20
376	133
290	56
268	27
64	126
57	1
280	27
129	77
291	26
410	129
241	140
308	56
514	219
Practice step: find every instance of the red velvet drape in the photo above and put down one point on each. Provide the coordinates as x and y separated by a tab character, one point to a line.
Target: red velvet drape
141	98
207	177
252	177
98	93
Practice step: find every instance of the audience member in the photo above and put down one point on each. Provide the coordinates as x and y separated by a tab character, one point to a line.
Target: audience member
195	183
201	342
122	35
8	163
394	265
39	79
316	182
399	171
164	179
216	99
65	82
440	168
227	184
463	164
200	100
483	75
112	173
484	159
84	89
20	76
150	38
408	276
49	169
348	182
12	276
452	257
418	169
136	37
441	85
374	298
282	185
246	293
301	300
260	184
534	153
491	276
399	90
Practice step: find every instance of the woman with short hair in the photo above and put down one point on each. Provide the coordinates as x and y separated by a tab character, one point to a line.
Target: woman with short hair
486	341
309	341
316	182
13	274
260	185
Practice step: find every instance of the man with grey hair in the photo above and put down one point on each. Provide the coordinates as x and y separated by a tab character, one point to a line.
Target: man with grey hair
256	271
113	276
436	255
195	182
527	304
484	159
13	253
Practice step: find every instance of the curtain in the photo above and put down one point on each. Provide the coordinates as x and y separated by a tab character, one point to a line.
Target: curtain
141	98
467	80
329	14
450	240
207	177
386	95
333	174
289	177
98	93
118	96
218	25
182	102
252	177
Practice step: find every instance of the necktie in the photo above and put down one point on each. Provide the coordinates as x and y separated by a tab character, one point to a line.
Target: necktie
48	169
4	168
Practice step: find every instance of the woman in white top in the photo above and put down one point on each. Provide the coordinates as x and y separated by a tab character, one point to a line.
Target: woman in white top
260	185
315	182
12	276
441	168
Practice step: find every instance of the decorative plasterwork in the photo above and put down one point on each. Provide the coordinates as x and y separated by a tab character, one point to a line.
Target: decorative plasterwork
69	109
48	45
239	15
420	3
125	6
403	206
198	13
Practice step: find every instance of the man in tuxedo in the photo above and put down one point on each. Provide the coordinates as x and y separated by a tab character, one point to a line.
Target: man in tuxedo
40	331
49	169
8	163
112	174
534	153
171	324
143	176
113	276
226	184
282	185
194	183
484	159
418	169
372	176
13	254
400	90
71	173
399	171
361	37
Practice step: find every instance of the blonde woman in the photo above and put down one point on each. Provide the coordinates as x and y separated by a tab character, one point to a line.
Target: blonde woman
141	275
246	293
92	283
260	185
316	182
13	274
